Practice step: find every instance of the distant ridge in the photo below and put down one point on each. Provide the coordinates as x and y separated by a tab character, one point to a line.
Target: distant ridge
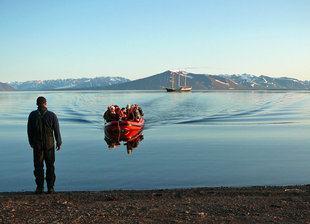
6	87
215	82
61	84
156	82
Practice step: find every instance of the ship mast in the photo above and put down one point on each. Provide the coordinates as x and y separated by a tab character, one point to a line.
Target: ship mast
172	79
182	73
179	82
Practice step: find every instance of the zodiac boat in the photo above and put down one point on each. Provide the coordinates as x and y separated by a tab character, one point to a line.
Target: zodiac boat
124	130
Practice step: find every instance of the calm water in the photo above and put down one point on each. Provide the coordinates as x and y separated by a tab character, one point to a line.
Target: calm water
213	138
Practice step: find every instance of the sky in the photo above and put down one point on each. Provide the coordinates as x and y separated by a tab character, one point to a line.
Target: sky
134	39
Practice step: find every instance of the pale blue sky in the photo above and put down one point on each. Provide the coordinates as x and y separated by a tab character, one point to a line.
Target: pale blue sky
137	38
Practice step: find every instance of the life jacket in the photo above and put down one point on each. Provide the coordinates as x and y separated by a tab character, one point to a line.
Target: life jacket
131	115
122	114
131	109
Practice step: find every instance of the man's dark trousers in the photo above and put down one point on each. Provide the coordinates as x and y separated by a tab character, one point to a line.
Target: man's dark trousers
48	155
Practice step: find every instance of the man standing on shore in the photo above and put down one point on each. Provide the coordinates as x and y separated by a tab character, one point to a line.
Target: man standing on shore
41	128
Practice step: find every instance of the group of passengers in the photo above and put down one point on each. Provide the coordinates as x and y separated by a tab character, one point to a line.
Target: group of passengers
115	113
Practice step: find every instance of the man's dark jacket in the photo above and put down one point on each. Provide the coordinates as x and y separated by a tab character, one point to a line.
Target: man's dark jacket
42	127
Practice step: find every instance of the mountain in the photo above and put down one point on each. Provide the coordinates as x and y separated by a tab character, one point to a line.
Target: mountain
156	82
197	81
148	83
214	82
265	82
83	83
6	87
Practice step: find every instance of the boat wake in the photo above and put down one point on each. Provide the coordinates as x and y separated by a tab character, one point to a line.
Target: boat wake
210	108
277	110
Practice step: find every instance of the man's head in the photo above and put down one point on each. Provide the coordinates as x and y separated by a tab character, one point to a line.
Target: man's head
41	101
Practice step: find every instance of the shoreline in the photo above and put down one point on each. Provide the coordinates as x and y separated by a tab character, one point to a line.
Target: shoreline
256	204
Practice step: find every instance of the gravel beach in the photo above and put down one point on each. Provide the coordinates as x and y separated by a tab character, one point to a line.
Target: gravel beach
281	204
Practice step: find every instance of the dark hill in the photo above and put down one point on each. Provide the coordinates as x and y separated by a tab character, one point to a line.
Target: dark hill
149	83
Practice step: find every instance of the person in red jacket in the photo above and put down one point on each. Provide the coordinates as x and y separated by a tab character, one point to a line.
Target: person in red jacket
122	114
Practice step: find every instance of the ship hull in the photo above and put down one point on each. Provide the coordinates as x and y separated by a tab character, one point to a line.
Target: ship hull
181	89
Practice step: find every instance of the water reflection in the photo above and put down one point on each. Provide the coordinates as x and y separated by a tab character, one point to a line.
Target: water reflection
130	139
134	143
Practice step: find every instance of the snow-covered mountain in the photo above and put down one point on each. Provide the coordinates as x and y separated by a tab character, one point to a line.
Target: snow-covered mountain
266	82
82	83
197	81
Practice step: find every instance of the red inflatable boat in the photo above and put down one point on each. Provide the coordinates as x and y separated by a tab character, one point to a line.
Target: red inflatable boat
124	130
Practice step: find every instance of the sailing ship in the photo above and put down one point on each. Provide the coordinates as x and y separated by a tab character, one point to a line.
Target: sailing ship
179	87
